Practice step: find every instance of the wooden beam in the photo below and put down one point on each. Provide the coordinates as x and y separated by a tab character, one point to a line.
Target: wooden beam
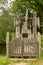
24	18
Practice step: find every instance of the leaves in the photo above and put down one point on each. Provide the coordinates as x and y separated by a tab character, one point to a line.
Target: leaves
33	5
3	1
6	24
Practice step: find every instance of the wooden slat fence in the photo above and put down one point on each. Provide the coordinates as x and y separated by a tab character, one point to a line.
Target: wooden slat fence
20	48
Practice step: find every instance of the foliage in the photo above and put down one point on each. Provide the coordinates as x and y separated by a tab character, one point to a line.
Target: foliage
6	24
20	6
4	60
3	49
41	40
3	1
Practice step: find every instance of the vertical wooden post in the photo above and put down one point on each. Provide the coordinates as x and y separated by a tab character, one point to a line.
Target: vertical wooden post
26	18
24	30
25	23
7	42
24	27
17	26
34	23
38	22
22	49
39	39
39	42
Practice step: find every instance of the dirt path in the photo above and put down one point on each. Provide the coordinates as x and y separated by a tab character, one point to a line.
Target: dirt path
39	62
20	63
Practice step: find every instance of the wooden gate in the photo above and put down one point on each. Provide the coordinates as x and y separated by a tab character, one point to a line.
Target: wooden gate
20	48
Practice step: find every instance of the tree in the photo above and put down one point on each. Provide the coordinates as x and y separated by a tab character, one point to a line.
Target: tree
19	5
35	5
3	1
6	24
6	21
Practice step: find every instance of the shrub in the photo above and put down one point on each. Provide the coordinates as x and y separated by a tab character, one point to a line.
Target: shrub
4	60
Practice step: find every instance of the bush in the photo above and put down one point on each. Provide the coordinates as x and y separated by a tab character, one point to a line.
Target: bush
4	60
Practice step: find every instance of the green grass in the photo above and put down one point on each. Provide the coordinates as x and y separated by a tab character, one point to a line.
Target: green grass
37	62
4	60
